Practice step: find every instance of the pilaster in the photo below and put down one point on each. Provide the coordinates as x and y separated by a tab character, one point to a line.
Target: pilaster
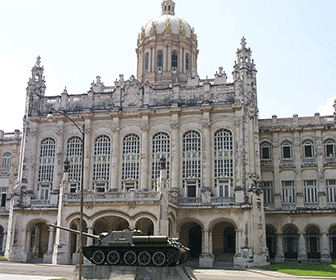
325	248
302	254
144	153
279	256
115	154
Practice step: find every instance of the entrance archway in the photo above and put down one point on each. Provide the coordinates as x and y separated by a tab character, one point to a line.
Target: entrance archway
290	237
38	237
332	236
1	240
110	223
270	241
191	236
224	241
313	243
145	225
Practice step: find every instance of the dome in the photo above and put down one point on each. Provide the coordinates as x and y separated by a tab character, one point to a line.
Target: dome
167	22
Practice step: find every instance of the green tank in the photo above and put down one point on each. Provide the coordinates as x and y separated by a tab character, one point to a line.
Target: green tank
132	247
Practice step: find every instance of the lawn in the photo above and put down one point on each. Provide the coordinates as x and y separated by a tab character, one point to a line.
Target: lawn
2	258
322	270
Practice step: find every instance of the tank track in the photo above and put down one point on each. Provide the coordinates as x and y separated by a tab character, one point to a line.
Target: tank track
133	256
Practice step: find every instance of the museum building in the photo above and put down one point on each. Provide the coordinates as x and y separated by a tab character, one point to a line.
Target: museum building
237	189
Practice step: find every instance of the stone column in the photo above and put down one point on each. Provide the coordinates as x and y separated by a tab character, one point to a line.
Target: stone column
59	149
207	158
238	242
4	241
87	153
206	259
51	240
165	59
144	154
279	256
180	61
115	154
36	242
90	240
325	248
175	154
302	254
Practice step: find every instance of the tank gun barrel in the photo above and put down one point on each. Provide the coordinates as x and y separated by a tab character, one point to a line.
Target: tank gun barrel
74	231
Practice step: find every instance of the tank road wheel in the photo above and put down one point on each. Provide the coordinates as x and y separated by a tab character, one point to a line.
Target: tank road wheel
144	258
113	257
130	258
98	257
159	258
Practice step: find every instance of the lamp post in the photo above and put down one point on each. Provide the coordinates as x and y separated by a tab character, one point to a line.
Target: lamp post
82	132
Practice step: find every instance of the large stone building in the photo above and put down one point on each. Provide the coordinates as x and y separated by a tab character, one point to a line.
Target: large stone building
237	188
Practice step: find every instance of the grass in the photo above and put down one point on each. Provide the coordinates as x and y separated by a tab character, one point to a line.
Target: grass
306	269
2	258
59	279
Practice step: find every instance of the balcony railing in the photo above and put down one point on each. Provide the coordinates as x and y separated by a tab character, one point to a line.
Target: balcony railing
113	196
41	203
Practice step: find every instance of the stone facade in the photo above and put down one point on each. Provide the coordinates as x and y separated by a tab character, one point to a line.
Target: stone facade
223	162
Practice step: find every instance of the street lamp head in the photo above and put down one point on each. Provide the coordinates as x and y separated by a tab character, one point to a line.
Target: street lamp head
66	165
50	116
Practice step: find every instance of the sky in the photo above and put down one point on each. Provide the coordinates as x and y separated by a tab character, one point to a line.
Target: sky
292	41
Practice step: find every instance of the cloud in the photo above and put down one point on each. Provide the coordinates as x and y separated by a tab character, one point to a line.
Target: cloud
327	108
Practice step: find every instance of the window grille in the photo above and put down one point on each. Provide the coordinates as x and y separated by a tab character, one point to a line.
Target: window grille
174	60
265	151
46	162
268	192
101	165
290	237
160	147
6	160
310	191
223	162
159	61
329	148
191	153
331	190
288	192
308	149
286	150
130	162
187	63
313	240
74	155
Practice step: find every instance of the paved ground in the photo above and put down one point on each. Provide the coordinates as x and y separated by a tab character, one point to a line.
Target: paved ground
20	271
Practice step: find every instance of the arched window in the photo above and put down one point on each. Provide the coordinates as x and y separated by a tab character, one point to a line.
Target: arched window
307	149
265	151
74	155
191	166
329	148
160	147
290	239
313	243
223	163
101	163
332	236
146	62
187	63
174	61
130	162
286	150
6	160
159	61
46	167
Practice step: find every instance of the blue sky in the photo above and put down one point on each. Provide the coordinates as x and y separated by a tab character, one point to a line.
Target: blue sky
293	44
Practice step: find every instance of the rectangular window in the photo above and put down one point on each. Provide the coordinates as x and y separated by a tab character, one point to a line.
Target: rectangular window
100	187
3	192
73	188
286	152
331	190
224	188
191	188
288	192
268	192
310	191
44	192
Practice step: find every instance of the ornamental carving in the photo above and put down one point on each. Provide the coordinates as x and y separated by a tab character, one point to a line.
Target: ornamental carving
174	124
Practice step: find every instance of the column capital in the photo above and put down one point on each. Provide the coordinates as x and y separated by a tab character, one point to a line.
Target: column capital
51	229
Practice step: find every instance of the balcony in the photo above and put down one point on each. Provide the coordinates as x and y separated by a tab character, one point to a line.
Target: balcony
113	196
42	203
287	163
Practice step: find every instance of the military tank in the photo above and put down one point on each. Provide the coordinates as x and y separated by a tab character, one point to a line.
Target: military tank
132	247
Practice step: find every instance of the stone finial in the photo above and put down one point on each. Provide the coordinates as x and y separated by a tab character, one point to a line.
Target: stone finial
168	7
38	61
243	42
65	91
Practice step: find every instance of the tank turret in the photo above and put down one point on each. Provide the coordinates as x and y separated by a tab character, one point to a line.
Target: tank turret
132	247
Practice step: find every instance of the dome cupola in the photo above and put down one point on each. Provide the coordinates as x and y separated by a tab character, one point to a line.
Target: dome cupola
167	48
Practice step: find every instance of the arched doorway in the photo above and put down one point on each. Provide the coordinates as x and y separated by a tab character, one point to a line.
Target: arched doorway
332	236
270	241
110	223
290	237
74	239
1	240
145	225
191	236
313	243
38	237
224	241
